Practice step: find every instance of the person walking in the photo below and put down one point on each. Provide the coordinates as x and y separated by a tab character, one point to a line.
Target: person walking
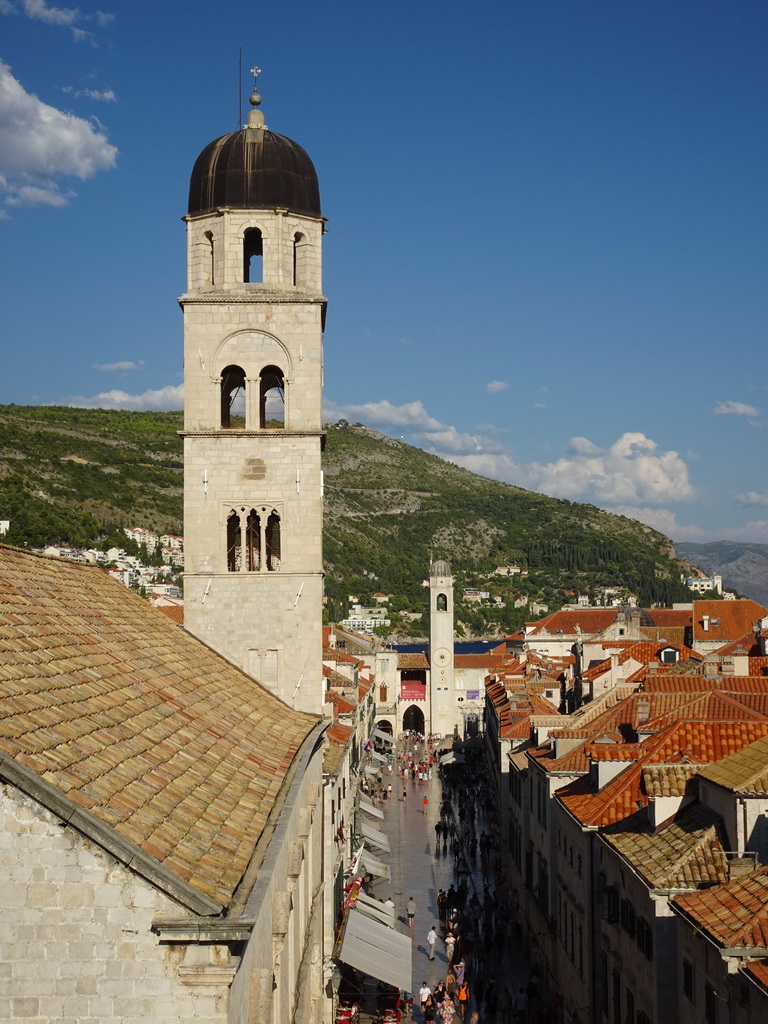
463	995
424	994
411	910
431	940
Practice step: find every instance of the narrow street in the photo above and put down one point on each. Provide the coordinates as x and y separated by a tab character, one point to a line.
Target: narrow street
421	867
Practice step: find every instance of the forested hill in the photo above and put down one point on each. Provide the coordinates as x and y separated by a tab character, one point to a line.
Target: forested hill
77	476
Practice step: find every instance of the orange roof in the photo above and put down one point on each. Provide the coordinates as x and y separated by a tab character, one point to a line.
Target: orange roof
175	612
339	734
681	742
735	914
696	684
728	620
341	705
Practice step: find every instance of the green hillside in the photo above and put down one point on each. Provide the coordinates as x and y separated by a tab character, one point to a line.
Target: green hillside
77	476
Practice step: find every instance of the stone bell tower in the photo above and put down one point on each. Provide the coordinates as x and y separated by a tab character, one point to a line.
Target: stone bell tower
253	330
442	695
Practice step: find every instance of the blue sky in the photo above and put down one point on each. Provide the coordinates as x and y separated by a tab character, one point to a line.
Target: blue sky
547	242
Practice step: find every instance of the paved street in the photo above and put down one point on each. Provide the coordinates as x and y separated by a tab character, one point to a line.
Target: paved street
419	869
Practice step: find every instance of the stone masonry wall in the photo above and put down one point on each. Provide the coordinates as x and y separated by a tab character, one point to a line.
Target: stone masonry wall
75	939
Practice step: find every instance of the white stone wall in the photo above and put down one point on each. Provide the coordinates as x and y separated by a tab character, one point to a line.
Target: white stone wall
75	939
443	713
267	622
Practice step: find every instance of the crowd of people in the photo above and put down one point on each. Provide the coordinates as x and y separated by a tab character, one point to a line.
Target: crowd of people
478	918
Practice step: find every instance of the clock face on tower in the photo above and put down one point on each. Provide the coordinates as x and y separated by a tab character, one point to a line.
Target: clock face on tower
441	656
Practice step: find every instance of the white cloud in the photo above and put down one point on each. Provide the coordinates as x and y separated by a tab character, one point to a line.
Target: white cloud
39	143
161	400
663	520
631	470
81	35
38	10
494	386
103	19
112	367
102	95
751	499
410	415
38	195
735	409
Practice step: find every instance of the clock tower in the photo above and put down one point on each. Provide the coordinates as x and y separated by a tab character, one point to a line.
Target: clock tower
253	330
442	694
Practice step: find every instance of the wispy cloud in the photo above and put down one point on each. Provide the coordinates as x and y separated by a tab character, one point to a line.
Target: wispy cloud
39	144
735	409
632	470
495	386
101	95
752	499
161	400
39	10
113	367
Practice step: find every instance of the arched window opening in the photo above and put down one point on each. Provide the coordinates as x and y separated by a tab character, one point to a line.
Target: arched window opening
300	257
442	603
253	257
273	542
233	398
233	542
253	541
272	404
211	265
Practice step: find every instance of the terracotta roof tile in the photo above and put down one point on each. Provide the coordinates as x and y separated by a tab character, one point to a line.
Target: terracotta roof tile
727	620
745	771
131	716
734	915
687	853
661	780
698	683
406	661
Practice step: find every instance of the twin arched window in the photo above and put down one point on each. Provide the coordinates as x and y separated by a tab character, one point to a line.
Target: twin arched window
253	540
234	412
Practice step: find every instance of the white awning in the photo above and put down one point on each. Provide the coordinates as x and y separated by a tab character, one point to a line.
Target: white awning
377	950
374	837
373	908
374	866
377	755
452	758
368	807
379	734
371	771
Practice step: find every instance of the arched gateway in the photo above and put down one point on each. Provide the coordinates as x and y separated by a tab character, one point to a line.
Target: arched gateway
413	719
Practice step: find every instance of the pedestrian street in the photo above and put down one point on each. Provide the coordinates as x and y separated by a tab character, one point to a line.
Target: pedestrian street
420	867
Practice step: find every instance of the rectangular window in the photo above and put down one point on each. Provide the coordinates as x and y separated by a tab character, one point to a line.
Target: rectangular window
688	979
710	1005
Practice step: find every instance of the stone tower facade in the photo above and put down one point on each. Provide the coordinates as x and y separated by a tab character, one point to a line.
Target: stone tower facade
442	693
253	362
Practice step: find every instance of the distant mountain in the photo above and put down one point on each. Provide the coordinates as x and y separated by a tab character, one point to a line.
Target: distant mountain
744	567
77	476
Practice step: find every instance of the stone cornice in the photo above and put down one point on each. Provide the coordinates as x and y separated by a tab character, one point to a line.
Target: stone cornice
104	836
242	298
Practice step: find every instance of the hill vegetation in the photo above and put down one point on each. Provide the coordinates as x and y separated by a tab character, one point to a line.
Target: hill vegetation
77	476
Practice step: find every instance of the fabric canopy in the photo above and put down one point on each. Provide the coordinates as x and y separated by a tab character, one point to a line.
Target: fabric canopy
371	772
452	758
367	806
377	950
374	866
374	837
377	755
373	908
379	734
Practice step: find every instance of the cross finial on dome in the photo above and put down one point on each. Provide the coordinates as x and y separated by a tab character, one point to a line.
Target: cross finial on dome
255	117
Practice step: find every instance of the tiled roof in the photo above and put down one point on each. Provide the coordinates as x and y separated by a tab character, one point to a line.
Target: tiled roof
746	644
681	743
134	720
489	661
687	853
746	771
759	971
589	620
713	705
175	612
660	780
338	735
694	684
342	706
734	915
406	661
728	620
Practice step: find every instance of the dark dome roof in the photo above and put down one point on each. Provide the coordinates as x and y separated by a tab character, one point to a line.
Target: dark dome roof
440	568
254	169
